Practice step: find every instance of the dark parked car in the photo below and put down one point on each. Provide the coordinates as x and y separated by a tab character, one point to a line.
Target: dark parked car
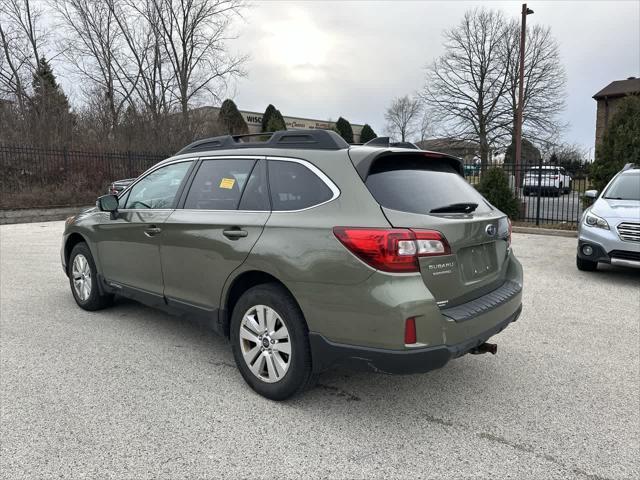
119	185
307	253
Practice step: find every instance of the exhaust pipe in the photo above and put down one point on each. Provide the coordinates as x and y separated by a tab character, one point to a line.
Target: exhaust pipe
491	348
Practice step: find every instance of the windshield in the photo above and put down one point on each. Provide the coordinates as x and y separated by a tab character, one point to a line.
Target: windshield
625	187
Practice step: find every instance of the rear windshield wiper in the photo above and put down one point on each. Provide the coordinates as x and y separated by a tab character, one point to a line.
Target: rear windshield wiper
455	208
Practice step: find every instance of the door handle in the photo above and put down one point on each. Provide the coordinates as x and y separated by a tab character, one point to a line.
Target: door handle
152	231
235	233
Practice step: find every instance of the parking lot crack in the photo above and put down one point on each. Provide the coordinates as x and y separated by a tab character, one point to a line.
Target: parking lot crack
529	449
337	392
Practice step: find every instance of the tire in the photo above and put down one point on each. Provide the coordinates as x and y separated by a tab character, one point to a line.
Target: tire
262	367
85	289
586	265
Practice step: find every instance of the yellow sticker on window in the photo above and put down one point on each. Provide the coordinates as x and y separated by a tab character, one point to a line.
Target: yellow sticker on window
227	183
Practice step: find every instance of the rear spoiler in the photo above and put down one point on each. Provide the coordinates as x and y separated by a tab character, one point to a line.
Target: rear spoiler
363	165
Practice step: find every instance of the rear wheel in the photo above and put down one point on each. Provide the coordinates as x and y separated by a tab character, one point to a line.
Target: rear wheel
83	278
586	265
270	342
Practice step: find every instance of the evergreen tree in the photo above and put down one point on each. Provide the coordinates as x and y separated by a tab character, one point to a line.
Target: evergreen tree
344	129
272	120
620	144
51	117
230	119
494	185
268	114
367	133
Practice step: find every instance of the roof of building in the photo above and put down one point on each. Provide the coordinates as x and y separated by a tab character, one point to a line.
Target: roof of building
620	88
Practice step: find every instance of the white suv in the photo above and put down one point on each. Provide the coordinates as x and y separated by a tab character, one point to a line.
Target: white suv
609	231
547	179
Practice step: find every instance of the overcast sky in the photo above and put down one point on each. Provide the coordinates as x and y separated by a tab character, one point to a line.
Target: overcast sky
328	59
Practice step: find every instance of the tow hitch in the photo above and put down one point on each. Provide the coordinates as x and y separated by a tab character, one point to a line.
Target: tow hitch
491	348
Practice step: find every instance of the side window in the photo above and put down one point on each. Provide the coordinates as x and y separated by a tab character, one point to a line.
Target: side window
159	188
256	194
294	187
218	184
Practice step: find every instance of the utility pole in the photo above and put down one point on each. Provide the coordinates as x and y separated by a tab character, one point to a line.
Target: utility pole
523	33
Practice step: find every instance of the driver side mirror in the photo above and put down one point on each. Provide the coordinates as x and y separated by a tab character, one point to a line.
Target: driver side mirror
591	194
108	203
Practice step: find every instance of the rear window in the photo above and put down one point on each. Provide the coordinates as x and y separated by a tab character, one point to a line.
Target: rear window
419	186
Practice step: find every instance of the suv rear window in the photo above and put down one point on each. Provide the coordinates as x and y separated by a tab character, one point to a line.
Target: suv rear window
419	185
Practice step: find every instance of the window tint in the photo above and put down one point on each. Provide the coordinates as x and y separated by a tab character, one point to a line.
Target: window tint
256	193
159	188
218	184
294	187
419	186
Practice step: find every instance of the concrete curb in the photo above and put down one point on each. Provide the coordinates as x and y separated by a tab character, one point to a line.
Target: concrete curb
546	231
30	215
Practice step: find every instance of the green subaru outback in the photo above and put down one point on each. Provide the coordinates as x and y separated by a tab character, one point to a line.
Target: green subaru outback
306	253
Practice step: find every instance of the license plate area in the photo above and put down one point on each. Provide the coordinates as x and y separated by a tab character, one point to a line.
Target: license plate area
478	261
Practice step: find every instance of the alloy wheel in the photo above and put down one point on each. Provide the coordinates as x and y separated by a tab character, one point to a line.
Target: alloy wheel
81	274
265	343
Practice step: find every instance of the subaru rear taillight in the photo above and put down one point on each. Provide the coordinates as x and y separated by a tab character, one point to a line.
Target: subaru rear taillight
392	249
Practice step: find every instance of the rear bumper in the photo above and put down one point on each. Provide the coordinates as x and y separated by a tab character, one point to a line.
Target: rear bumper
326	354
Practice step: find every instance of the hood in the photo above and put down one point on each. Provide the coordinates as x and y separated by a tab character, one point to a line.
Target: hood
623	209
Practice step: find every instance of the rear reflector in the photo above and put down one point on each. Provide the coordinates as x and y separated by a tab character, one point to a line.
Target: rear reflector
410	336
392	249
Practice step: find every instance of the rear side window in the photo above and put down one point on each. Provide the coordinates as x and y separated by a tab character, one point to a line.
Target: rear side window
218	185
419	185
294	187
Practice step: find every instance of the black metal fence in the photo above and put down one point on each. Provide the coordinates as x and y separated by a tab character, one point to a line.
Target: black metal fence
548	195
39	177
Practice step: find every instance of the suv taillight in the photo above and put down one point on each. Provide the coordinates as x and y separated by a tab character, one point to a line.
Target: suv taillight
392	249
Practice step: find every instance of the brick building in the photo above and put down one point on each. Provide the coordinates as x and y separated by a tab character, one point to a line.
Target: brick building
608	100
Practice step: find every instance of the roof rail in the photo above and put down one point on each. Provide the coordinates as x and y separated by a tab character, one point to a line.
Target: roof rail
312	139
386	142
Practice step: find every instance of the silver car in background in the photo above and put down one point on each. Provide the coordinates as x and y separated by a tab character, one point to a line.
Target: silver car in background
609	231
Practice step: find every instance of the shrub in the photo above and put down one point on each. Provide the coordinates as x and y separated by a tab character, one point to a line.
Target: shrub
272	120
230	119
494	185
344	129
620	144
367	133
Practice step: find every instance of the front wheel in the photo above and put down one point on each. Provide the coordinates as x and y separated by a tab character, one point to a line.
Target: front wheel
586	265
270	342
83	278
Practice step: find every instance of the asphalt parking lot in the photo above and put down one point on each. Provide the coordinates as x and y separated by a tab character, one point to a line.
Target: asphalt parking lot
131	392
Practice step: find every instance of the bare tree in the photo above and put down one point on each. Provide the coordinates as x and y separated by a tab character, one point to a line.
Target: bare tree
544	83
21	37
466	86
194	33
401	117
93	46
425	125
